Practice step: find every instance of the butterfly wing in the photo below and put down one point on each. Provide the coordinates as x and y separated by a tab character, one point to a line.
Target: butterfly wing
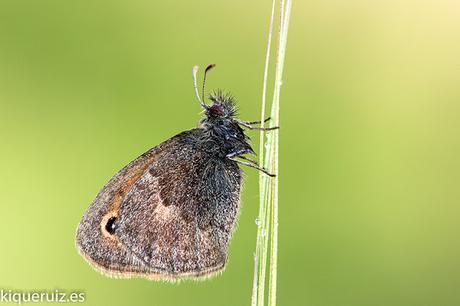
175	216
103	251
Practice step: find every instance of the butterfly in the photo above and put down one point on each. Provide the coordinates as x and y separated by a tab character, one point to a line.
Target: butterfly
170	213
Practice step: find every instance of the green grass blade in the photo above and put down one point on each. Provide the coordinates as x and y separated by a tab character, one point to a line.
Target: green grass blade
267	233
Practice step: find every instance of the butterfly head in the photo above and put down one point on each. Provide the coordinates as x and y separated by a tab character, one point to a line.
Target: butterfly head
222	107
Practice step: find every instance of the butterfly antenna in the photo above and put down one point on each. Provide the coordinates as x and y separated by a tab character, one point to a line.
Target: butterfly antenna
194	74
209	67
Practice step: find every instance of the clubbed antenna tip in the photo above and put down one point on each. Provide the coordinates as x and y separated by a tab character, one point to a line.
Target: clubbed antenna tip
195	83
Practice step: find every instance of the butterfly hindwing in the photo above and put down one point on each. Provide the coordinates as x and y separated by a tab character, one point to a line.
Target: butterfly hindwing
176	218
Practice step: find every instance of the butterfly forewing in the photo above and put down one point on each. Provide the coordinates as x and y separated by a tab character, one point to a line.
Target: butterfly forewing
174	207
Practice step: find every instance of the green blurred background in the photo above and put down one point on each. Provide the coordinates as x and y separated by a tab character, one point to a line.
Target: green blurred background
370	146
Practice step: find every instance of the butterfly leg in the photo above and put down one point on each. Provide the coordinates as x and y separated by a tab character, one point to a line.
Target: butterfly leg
249	124
262	129
249	160
256	122
252	164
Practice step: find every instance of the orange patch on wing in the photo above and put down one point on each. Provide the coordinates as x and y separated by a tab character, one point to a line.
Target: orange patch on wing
129	179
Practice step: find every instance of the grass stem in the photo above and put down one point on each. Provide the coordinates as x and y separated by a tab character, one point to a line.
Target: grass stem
267	233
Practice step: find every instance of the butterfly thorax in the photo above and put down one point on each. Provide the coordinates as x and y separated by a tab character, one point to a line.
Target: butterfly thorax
223	135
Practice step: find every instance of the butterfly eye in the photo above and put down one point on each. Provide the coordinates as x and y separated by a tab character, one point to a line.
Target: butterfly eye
110	226
216	111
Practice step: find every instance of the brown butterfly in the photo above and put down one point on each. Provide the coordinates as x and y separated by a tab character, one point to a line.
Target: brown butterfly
170	213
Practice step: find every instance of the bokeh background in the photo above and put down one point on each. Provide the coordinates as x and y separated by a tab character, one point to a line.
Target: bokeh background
370	146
